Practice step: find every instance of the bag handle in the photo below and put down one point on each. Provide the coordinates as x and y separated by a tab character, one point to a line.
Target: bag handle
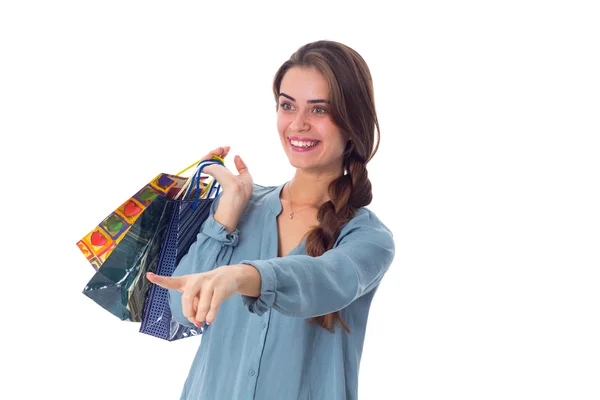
189	179
196	177
192	177
183	171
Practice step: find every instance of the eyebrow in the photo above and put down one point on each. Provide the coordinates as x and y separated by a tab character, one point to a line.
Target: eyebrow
309	101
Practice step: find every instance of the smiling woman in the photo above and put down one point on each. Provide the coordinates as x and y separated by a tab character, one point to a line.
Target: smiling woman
282	280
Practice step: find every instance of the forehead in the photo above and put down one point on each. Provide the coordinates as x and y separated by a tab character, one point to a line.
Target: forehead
305	84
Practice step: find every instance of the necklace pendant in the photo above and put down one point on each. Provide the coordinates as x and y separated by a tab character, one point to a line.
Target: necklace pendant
291	215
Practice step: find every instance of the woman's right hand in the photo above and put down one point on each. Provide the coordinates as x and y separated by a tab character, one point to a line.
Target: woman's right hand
237	189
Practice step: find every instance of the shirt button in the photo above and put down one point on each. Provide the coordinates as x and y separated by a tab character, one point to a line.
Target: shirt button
264	325
251	372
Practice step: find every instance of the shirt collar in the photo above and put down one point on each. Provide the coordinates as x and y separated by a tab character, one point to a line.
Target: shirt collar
274	200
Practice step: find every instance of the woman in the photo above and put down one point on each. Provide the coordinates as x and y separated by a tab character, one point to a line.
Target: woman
283	276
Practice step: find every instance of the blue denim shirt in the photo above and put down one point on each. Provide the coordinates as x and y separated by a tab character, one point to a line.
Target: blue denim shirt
263	348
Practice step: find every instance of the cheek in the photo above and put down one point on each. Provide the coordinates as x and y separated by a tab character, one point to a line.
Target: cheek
334	136
282	124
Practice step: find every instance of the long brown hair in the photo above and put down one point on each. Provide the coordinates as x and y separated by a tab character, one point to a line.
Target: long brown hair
353	111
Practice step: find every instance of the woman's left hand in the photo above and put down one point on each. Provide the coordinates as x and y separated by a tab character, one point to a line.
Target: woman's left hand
202	293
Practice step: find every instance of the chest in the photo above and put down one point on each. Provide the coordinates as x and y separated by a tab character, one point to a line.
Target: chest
291	231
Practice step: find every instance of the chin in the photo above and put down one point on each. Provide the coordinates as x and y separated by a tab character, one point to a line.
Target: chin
294	162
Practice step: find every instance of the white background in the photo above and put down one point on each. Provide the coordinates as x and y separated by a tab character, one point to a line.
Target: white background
488	175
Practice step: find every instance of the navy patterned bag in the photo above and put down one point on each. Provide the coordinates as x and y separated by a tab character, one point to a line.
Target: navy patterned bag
185	223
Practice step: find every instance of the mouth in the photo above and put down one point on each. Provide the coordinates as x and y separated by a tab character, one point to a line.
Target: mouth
302	144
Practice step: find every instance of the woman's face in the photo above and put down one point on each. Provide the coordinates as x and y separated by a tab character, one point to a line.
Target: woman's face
309	137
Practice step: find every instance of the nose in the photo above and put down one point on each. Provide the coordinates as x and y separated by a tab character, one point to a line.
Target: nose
299	123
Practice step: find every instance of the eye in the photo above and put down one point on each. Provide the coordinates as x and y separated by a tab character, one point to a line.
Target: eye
320	110
285	106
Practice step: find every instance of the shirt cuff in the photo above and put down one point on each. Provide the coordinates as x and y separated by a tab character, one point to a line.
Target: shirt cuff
260	305
214	229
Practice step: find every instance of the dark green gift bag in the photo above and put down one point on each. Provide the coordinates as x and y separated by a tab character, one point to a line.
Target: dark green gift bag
120	286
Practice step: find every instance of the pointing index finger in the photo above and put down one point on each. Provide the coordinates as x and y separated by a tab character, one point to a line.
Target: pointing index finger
167	282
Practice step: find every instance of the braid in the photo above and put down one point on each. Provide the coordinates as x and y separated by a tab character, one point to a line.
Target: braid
348	193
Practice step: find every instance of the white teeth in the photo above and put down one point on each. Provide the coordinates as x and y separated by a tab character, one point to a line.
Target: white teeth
298	143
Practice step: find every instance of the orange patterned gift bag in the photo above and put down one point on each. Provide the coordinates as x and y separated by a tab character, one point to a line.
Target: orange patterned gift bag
98	244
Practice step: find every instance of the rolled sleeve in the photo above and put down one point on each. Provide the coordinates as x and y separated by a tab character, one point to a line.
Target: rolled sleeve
217	231
260	305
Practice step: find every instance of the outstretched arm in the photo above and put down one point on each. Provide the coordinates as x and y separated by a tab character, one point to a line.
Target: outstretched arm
305	286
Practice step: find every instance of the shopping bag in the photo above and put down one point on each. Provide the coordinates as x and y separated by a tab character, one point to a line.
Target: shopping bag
185	223
99	243
120	285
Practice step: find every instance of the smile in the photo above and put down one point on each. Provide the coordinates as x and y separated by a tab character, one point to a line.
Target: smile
302	144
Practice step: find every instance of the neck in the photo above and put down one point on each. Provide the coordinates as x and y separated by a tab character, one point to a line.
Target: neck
311	189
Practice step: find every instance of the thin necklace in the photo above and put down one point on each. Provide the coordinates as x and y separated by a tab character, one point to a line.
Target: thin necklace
292	208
